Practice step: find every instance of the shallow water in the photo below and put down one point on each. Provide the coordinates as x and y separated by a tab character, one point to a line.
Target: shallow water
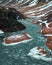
17	54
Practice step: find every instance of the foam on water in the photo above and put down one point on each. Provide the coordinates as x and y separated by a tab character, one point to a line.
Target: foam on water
1	32
35	53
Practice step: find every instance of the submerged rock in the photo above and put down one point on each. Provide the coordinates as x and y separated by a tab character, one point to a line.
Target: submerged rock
17	39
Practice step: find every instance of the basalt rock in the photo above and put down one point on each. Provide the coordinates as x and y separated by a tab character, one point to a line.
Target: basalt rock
11	13
8	20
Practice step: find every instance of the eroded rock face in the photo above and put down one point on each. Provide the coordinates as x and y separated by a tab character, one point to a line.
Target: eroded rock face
50	25
48	17
47	31
49	44
8	20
